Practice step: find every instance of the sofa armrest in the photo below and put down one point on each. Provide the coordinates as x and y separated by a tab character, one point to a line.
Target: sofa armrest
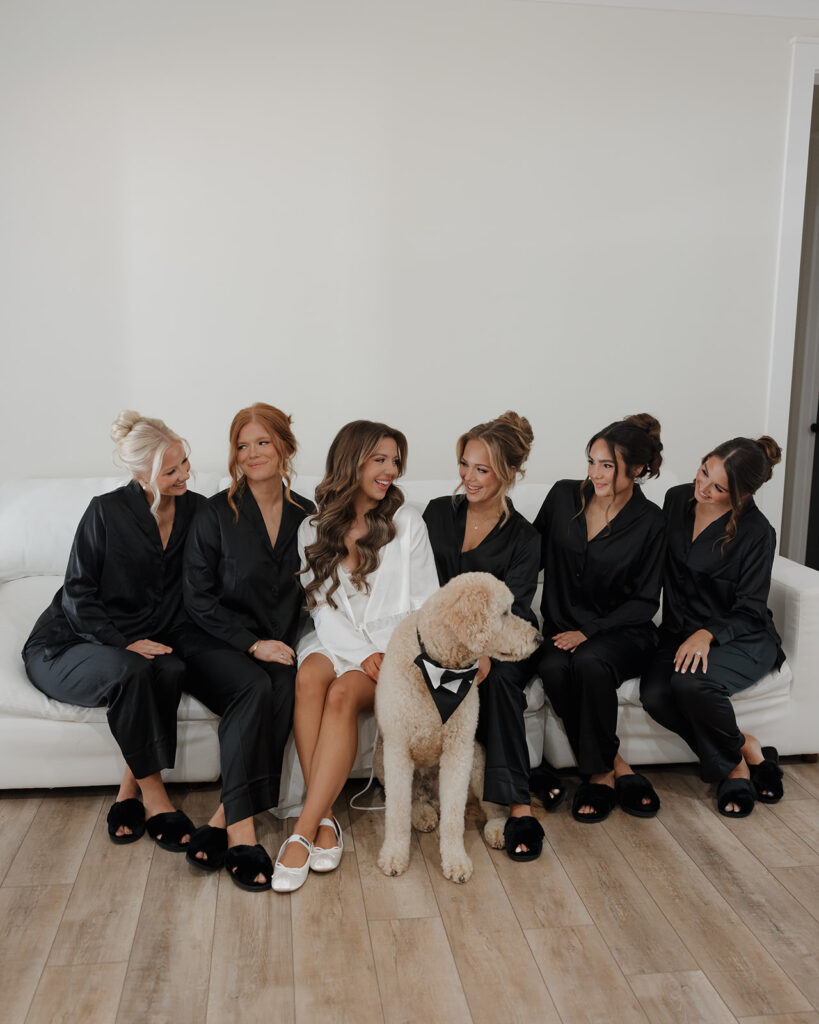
794	601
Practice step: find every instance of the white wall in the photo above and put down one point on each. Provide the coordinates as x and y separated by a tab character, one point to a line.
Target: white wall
424	211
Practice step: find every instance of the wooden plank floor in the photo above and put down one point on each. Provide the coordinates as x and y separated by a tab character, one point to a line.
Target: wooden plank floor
684	919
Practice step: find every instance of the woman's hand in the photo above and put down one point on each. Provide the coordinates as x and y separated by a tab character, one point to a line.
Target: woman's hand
484	665
570	640
692	651
148	648
372	665
273	650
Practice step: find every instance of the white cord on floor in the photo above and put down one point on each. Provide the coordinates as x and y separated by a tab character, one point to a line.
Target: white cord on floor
374	807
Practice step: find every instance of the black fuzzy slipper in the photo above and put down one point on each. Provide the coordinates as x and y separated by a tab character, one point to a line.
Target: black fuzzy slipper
526	831
243	863
767	775
210	841
736	791
631	790
542	780
129	813
171	826
596	795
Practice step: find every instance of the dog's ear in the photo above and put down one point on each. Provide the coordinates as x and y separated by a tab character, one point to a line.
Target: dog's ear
474	611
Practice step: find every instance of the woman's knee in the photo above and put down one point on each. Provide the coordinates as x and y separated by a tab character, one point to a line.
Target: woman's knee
312	684
348	694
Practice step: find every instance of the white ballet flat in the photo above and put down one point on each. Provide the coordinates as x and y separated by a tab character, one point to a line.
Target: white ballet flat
289	879
327	859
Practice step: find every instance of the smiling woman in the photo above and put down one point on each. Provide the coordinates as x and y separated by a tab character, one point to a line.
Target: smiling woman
717	634
366	564
602	556
110	636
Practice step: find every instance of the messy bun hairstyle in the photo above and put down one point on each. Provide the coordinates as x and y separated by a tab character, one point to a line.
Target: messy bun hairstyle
277	424
508	439
141	443
637	440
335	500
748	465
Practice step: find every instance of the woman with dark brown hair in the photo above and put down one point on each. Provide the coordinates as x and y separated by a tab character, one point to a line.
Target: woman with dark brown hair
717	635
602	555
366	564
241	591
481	531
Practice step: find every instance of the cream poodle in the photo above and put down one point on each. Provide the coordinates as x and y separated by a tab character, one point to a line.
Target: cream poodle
427	712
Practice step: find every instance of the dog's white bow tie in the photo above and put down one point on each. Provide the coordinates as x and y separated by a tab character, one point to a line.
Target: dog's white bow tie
449	678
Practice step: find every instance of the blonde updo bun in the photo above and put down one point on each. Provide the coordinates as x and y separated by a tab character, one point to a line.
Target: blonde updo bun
141	443
508	439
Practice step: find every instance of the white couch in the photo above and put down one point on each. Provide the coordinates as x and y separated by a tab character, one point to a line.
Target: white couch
44	743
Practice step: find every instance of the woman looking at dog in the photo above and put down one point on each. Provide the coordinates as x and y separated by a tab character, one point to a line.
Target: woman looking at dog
481	531
108	637
366	564
717	635
603	547
241	591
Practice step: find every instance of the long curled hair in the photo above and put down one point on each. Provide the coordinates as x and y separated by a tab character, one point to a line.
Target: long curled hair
637	439
277	424
141	443
748	465
335	501
508	439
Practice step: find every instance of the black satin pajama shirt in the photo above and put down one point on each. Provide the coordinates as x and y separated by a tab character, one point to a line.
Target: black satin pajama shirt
510	552
723	589
608	588
120	586
239	588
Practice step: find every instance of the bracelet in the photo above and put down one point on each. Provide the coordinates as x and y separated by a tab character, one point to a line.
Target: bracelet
252	650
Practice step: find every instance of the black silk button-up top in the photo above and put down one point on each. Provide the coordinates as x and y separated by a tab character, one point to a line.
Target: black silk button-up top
120	585
238	587
609	582
510	551
723	589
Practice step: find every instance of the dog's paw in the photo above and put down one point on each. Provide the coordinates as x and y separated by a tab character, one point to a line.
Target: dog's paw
493	833
424	817
457	868
392	863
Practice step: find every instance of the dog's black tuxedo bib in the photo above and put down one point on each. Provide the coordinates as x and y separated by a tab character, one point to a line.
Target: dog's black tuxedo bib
447	686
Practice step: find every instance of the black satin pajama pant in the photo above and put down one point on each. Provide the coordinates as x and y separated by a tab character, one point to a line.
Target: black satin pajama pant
582	687
142	696
502	733
254	701
697	705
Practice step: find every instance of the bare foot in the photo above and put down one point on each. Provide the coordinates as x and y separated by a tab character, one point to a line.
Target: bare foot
740	772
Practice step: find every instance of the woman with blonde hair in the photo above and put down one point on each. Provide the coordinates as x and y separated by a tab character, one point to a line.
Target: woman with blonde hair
366	564
481	531
109	636
717	635
241	591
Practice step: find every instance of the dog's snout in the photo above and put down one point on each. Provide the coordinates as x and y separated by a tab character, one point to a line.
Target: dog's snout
538	639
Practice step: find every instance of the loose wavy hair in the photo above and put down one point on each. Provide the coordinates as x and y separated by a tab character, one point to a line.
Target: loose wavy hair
277	424
335	501
748	465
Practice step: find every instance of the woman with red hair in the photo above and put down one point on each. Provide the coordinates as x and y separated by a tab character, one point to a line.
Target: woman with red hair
240	588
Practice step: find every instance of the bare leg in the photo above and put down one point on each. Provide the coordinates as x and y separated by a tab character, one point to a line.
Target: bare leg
313	679
333	757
